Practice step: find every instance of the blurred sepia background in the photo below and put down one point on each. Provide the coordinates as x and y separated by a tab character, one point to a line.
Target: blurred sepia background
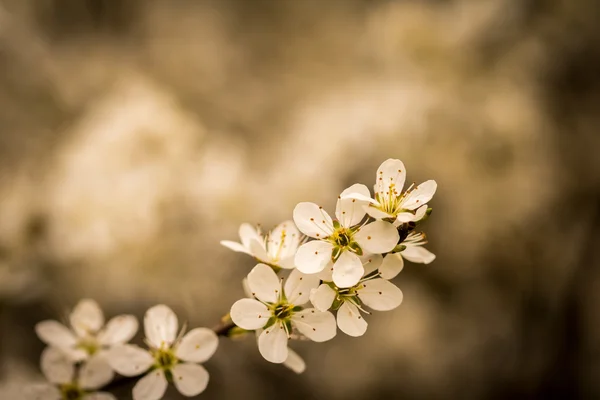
134	135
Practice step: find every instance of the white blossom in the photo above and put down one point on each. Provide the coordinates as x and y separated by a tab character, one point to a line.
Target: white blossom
277	310
87	339
413	251
372	291
293	361
390	201
168	357
277	248
341	241
65	384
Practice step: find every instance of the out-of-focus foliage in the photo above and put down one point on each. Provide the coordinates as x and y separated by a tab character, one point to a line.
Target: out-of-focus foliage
134	135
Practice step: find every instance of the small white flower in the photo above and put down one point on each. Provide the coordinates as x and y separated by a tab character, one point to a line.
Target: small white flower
168	359
88	338
278	310
293	360
390	202
371	291
65	384
277	248
341	241
413	251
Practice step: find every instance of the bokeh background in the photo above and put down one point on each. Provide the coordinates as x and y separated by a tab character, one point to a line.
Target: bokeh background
134	135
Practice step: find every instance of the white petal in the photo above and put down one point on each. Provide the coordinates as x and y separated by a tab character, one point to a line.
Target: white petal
351	211
313	256
419	196
42	391
151	387
99	396
288	262
315	325
298	286
160	326
378	214
118	330
359	196
390	176
312	220
327	274
246	287
56	366
249	314
87	317
264	283
377	237
198	345
55	334
404	217
238	247
95	373
380	295
272	344
294	362
190	379
248	233
350	321
129	360
347	270
371	262
259	250
391	266
322	297
283	240
420	213
418	254
75	354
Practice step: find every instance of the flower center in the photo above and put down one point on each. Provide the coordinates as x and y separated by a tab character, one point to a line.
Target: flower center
390	202
89	345
71	392
165	359
283	311
342	237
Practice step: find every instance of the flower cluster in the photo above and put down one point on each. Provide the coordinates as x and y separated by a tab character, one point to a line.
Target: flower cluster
85	356
315	274
342	264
